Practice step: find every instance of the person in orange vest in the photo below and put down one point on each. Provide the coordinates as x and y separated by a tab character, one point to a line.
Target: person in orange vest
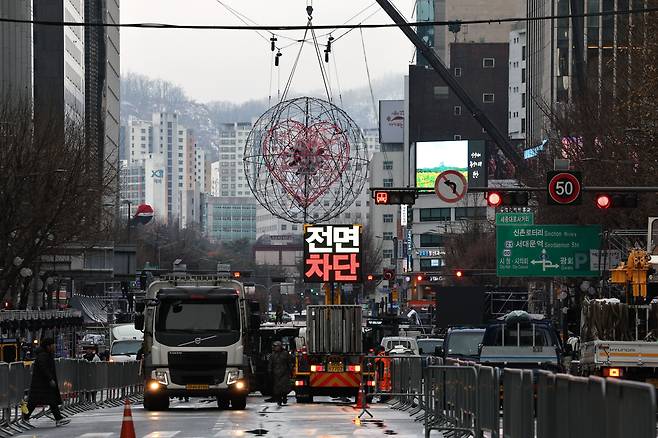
383	370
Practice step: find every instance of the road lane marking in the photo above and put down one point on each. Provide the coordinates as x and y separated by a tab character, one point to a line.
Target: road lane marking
162	434
96	435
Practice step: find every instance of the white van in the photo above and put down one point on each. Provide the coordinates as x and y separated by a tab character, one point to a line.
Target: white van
391	342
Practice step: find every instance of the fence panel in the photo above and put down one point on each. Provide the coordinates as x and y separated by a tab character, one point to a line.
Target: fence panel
630	409
518	402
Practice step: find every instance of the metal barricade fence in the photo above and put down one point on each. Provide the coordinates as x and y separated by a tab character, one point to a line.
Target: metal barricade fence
466	399
77	378
518	402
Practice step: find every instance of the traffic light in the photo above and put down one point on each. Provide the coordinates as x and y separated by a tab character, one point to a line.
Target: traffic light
389	274
370	277
512	199
237	274
419	277
393	197
616	200
459	273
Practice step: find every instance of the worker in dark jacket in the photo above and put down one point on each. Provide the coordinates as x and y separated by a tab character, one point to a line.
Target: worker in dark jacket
43	389
280	369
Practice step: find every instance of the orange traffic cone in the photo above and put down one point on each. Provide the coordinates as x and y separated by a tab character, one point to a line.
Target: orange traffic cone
361	400
127	428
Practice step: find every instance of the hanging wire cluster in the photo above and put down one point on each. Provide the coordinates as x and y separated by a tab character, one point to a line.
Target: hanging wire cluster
306	160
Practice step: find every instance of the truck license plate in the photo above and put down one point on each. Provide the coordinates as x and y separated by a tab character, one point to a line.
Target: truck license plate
335	367
196	387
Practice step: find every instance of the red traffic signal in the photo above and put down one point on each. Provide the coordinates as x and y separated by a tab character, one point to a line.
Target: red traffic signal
459	274
419	278
512	199
494	199
370	277
237	274
389	274
395	197
616	200
381	197
603	201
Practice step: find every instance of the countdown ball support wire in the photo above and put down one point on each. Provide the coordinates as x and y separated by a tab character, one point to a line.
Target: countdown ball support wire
306	160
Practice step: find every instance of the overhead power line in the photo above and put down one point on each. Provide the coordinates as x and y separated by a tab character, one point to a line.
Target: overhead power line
271	28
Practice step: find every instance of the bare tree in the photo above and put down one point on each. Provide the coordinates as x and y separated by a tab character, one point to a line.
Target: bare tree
609	131
51	192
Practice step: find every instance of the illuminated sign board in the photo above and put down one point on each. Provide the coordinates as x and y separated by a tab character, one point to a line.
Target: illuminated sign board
332	253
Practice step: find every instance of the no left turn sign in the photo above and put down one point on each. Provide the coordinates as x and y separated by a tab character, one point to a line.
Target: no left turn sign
450	186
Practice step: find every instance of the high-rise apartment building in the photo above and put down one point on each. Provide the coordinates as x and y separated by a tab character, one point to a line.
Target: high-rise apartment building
516	124
16	51
59	62
173	165
102	86
594	53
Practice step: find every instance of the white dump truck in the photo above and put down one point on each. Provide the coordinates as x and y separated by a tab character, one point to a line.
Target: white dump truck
195	330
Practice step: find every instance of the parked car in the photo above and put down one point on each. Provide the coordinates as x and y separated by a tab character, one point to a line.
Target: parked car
390	342
462	343
522	340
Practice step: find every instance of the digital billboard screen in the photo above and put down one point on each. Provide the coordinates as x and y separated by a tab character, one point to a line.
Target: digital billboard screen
434	157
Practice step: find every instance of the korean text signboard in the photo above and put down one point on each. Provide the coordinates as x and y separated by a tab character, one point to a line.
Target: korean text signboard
515	218
477	164
547	250
332	253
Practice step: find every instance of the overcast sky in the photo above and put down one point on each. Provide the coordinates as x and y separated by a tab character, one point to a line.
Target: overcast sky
236	65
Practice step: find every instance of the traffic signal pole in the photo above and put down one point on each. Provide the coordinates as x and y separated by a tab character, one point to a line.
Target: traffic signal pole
431	57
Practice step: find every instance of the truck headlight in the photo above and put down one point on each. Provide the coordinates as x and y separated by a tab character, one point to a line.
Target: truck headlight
232	377
161	377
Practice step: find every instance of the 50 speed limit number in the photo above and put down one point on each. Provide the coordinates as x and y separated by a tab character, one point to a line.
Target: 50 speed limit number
564	187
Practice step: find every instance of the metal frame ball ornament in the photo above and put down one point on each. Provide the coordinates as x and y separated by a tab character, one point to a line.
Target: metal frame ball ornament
306	160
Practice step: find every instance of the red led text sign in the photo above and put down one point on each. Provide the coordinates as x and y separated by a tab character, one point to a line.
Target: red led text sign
332	253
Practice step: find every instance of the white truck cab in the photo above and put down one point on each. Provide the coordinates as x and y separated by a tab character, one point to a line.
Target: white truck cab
194	334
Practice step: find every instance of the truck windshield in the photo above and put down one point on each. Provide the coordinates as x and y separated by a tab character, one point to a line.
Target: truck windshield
127	348
465	343
197	316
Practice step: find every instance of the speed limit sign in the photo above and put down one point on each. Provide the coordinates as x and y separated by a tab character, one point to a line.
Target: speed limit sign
564	188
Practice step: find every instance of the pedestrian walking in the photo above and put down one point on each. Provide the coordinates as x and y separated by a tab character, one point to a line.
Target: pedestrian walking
279	315
280	369
43	389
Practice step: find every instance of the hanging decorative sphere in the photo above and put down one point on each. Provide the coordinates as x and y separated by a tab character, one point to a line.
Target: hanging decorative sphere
306	160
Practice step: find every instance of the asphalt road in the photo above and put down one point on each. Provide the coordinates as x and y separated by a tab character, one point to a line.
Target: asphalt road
198	418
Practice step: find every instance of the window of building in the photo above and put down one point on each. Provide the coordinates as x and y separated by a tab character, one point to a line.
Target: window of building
387	253
441	92
348	215
434	214
488	63
388	182
522	125
488	98
387	235
387	218
457	110
294	227
358	203
470	213
388	165
284	227
523	53
457	137
523	100
428	240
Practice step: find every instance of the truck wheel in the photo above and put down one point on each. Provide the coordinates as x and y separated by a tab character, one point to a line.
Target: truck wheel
222	403
239	403
154	402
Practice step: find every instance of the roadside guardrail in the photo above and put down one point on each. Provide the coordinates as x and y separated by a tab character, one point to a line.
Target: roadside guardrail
83	385
466	398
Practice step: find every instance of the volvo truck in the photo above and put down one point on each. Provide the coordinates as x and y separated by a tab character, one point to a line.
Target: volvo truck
196	331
